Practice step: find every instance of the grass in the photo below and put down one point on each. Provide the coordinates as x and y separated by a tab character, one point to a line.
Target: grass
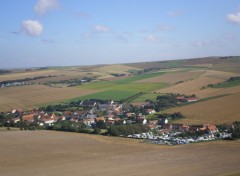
115	95
227	84
121	89
147	96
139	77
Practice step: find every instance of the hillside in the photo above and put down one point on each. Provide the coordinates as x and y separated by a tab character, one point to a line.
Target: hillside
121	81
57	153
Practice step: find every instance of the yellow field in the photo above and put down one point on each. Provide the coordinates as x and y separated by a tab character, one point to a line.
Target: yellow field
115	69
217	111
194	86
48	153
61	74
174	77
34	95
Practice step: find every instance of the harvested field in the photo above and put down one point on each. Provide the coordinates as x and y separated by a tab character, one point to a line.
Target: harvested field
47	153
63	74
115	69
194	86
212	92
217	111
174	77
27	97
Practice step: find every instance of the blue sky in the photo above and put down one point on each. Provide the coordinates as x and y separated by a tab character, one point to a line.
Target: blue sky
38	33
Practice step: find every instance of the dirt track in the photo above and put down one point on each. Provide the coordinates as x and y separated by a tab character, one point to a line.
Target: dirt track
46	153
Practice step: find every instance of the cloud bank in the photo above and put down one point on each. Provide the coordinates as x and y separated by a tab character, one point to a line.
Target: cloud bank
32	27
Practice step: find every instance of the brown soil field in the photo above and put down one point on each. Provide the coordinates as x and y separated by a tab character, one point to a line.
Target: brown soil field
174	77
194	86
35	95
216	111
48	153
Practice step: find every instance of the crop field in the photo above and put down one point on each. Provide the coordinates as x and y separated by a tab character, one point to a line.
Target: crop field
228	65
195	86
31	96
115	95
115	69
139	77
118	91
217	111
48	153
147	96
174	77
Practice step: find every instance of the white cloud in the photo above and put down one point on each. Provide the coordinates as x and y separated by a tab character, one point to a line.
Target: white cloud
234	17
151	38
32	27
100	28
43	6
165	28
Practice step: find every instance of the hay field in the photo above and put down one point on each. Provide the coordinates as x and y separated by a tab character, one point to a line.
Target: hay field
116	68
174	77
48	153
194	86
61	74
217	111
27	97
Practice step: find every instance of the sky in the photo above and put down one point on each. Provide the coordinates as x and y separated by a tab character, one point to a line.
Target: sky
37	33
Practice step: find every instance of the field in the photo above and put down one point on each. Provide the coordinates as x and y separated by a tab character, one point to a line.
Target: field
195	86
190	76
174	77
47	153
31	96
216	111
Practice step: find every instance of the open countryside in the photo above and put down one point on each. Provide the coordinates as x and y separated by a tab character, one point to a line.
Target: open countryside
47	153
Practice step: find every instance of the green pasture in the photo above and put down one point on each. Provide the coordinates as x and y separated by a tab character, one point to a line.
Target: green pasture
121	89
139	77
115	95
147	96
227	84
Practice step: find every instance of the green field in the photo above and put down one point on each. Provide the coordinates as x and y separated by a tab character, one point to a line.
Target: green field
122	89
227	84
147	96
139	77
108	95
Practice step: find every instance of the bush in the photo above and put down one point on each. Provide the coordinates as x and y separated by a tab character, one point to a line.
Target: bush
96	131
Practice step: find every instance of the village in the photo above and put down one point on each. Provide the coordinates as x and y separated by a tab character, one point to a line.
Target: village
115	119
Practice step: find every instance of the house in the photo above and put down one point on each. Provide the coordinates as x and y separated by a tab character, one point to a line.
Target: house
164	131
212	128
180	98
15	120
191	99
131	114
100	118
88	121
184	128
152	126
150	111
28	118
110	122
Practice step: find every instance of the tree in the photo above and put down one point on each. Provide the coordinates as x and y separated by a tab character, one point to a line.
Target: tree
49	108
101	124
96	131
